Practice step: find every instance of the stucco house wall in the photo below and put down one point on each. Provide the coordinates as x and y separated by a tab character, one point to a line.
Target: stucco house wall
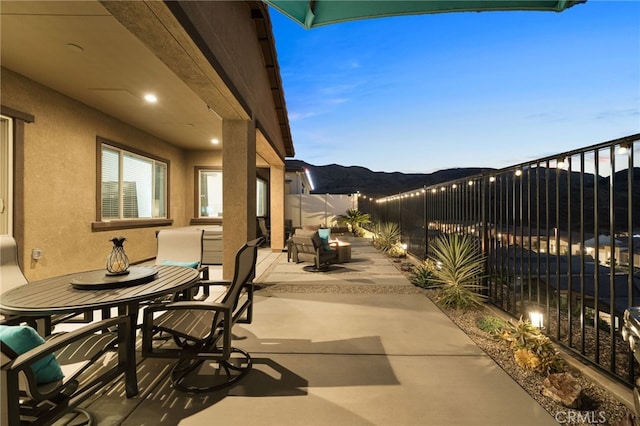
60	180
56	165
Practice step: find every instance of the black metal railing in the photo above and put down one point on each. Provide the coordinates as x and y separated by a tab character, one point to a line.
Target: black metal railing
561	234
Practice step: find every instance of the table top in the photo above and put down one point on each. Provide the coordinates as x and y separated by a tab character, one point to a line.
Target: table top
57	295
100	279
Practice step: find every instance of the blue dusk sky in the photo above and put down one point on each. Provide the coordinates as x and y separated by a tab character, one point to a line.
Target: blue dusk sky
417	94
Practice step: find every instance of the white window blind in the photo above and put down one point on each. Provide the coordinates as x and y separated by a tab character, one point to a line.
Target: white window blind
133	186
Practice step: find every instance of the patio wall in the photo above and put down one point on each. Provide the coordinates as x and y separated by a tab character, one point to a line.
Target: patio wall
317	209
535	222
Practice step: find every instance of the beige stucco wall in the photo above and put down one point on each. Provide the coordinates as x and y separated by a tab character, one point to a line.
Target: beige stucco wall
60	180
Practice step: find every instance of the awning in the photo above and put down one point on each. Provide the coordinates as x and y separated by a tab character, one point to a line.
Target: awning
315	13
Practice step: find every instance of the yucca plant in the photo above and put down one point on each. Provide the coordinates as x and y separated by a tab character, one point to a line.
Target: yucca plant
459	270
387	235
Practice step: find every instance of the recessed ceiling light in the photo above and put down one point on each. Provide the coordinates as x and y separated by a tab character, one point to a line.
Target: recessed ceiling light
215	141
150	98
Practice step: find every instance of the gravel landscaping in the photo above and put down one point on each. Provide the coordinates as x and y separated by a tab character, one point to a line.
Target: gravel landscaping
599	406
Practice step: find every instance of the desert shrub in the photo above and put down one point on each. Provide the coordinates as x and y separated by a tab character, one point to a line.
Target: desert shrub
490	324
532	349
422	274
396	251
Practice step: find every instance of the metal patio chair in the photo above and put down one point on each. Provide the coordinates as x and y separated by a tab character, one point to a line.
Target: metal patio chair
201	331
11	276
85	357
183	247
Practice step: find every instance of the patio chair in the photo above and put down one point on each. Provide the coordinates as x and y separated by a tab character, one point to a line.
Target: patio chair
264	230
33	389
199	331
183	247
309	247
11	276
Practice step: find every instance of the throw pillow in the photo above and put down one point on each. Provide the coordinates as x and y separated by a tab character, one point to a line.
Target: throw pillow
22	339
325	243
193	265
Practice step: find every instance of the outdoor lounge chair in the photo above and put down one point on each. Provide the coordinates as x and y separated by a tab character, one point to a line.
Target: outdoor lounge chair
308	247
83	356
198	331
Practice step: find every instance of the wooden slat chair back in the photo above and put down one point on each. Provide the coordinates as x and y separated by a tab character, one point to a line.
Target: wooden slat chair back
85	357
201	331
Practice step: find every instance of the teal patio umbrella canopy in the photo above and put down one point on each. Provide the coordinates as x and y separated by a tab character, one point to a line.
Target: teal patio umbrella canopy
315	13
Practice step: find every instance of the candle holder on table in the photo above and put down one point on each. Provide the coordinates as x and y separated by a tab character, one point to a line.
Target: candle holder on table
117	261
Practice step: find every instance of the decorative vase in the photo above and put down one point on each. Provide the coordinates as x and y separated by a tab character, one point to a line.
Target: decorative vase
117	261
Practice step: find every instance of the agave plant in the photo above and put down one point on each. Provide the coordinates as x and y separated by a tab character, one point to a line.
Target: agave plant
460	269
421	276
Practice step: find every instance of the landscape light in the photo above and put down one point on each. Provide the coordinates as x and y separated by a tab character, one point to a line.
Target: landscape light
537	319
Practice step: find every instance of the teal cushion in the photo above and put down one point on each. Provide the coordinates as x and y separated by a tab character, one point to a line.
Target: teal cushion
193	265
22	339
325	234
325	244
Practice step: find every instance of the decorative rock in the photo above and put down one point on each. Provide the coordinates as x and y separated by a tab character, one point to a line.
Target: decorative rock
564	389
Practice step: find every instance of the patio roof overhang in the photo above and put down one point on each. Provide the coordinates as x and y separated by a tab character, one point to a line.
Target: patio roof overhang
315	13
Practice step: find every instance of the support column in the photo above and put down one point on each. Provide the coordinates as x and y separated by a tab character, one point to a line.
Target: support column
239	189
276	189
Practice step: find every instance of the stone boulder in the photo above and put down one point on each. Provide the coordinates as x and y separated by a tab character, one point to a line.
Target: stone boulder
564	389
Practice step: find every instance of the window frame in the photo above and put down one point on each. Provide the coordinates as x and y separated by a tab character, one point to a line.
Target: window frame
265	183
114	224
197	219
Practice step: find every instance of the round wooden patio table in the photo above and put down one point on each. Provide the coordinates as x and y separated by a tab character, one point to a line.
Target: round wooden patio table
58	295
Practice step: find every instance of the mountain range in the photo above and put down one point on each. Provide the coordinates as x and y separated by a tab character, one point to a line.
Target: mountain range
337	179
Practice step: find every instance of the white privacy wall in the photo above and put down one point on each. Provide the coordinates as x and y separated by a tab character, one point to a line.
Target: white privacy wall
317	209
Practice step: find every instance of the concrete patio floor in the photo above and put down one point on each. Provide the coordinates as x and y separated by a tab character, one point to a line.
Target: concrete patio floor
357	345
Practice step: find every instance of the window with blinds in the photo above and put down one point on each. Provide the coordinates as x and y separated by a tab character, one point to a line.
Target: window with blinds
133	186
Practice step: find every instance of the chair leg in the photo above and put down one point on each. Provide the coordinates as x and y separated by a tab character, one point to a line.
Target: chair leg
184	375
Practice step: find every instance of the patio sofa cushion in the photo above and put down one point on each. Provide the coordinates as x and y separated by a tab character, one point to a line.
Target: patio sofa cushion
21	339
